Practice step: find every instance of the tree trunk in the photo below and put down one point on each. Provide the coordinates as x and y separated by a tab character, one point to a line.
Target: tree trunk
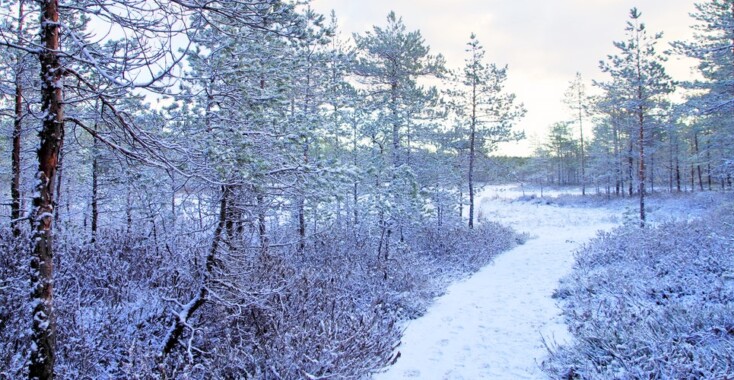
301	202
261	222
630	169
677	171
652	174
355	210
642	173
182	317
583	156
17	131
698	161
95	188
671	167
617	163
306	147
395	126
472	139
355	162
43	333
128	208
59	177
708	165
693	178
174	189
301	224
461	202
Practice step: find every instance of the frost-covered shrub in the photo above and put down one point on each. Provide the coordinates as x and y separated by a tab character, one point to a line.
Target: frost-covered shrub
332	310
272	319
651	303
14	293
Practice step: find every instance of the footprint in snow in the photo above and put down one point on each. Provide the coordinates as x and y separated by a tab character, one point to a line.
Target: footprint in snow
412	373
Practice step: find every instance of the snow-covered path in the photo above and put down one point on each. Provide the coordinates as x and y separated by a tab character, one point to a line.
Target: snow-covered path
492	325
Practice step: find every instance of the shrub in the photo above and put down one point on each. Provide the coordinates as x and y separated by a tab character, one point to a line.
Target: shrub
332	310
651	303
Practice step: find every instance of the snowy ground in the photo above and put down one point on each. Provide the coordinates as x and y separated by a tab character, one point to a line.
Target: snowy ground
492	325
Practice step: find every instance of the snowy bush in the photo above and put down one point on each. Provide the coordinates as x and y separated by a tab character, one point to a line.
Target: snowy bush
14	292
331	310
651	303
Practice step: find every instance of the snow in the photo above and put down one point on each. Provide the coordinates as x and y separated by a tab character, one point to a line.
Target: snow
493	325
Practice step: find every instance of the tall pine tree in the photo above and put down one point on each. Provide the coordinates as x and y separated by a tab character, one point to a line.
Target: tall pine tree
643	85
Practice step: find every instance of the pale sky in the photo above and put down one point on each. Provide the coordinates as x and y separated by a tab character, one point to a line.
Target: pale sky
544	42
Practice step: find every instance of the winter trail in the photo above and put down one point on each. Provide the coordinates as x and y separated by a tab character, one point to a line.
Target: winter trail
492	324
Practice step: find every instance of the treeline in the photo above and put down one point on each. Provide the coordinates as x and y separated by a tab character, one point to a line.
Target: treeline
638	137
228	189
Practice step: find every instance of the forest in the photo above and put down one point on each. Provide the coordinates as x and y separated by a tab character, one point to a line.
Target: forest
237	189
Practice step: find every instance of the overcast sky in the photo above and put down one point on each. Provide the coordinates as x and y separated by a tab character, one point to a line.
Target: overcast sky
544	42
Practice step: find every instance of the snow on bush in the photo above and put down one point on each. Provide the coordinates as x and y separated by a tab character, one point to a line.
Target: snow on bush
330	311
651	303
14	292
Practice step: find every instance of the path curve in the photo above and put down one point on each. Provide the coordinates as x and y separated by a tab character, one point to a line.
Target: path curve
492	324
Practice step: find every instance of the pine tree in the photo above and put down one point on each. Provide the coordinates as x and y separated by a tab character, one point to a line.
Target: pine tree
643	86
486	109
712	98
390	62
576	98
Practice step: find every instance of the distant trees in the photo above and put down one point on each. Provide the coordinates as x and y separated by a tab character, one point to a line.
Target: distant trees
563	150
641	140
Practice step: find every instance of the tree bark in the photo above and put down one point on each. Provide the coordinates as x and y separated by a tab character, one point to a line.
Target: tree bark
642	172
617	164
708	165
95	188
355	190
630	168
59	177
128	208
182	317
472	139
395	125
261	222
306	147
17	131
677	171
698	162
583	155
651	176
43	333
